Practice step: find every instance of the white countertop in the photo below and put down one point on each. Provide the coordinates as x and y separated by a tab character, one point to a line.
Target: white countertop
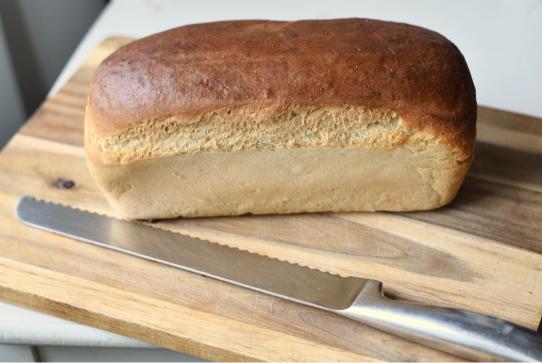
501	41
23	326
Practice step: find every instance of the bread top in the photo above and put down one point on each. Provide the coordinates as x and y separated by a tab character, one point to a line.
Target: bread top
414	72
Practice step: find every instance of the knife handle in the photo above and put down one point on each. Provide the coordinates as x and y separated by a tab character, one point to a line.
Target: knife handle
467	334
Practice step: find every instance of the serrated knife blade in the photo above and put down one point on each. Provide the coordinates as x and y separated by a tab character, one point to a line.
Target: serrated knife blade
468	334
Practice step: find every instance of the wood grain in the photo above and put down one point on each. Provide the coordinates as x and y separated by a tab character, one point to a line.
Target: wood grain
483	252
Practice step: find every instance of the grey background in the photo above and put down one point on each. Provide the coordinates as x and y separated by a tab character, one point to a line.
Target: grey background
36	39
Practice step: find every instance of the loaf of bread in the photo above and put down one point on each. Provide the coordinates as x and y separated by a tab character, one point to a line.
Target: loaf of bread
257	117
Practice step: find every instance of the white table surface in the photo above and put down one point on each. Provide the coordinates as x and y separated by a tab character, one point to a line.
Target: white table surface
501	41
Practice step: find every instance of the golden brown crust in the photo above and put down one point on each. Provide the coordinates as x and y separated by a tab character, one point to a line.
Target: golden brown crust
412	71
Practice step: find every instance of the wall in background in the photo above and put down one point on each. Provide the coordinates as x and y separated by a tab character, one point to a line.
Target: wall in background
11	107
38	37
55	27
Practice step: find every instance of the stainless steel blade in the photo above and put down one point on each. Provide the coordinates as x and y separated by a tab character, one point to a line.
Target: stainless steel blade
472	335
282	279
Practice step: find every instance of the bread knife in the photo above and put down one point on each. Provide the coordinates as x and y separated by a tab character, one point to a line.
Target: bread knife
467	334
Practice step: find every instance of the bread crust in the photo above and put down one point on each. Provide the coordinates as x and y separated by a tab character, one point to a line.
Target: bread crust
405	178
194	69
256	117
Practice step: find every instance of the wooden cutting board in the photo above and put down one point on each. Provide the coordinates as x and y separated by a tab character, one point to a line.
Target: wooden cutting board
482	253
